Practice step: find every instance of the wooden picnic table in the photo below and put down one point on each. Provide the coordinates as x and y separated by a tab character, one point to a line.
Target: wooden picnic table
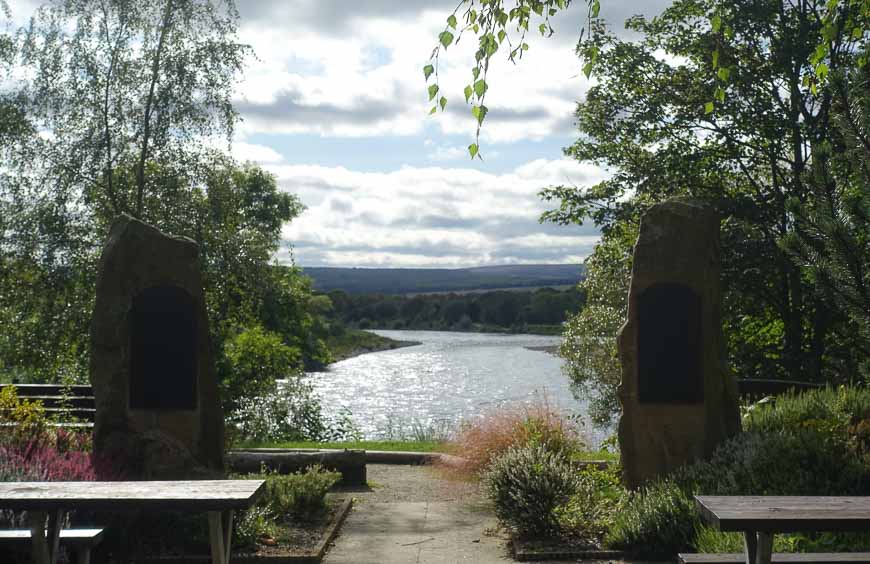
50	501
760	517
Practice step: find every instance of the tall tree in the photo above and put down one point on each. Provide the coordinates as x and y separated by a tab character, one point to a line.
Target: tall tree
664	123
832	241
121	103
119	85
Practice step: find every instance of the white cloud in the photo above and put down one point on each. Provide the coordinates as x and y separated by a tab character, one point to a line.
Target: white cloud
370	83
260	154
443	153
424	216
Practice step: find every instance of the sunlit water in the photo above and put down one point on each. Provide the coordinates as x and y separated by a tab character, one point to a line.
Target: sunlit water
450	377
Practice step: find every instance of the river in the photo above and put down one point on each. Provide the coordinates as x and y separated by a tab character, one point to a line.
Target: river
448	378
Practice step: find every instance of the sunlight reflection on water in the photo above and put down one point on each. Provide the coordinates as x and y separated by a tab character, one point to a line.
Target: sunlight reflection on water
449	378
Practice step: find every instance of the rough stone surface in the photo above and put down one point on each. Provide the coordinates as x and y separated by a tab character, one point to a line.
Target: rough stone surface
150	443
677	248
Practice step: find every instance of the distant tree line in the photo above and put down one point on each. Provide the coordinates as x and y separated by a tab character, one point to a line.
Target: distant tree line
542	310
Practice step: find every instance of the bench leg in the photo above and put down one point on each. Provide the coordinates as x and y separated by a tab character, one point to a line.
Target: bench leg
38	543
45	542
758	547
220	531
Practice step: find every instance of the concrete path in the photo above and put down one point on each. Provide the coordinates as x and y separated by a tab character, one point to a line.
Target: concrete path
424	532
413	515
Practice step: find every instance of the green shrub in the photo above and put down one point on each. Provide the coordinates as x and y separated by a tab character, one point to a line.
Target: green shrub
301	495
291	413
527	483
655	522
589	513
837	408
255	359
252	524
28	420
812	444
803	462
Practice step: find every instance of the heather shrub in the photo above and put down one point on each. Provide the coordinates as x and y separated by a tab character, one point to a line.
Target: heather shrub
301	495
527	483
483	440
590	512
655	522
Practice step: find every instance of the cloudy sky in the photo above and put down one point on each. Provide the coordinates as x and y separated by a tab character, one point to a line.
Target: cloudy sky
335	106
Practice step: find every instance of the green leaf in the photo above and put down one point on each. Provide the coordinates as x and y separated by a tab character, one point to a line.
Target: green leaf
501	35
480	88
433	90
543	29
525	46
475	111
708	108
716	23
480	115
723	73
468	92
446	38
715	58
821	71
472	150
720	94
432	111
451	21
442	102
587	69
428	70
596	7
857	32
475	72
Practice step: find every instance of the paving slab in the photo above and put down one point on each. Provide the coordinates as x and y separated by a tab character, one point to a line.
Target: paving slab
418	532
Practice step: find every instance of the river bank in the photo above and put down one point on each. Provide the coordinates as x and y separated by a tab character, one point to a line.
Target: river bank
549	349
354	342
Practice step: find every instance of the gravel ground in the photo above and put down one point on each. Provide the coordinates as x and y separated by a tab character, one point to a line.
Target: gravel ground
391	483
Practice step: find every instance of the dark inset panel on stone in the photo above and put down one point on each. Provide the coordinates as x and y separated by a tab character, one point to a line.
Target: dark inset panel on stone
163	349
669	345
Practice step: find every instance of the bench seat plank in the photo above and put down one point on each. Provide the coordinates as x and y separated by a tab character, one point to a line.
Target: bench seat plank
782	514
190	495
782	558
72	537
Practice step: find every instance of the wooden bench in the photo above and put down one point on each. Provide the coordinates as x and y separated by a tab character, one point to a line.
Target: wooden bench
82	541
51	501
780	558
760	517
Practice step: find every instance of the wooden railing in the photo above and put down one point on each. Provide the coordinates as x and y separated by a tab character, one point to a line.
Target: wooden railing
68	405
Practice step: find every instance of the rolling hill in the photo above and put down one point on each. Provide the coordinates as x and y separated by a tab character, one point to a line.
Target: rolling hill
422	280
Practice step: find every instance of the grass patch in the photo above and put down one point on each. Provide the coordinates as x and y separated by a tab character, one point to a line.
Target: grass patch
605	455
403	446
